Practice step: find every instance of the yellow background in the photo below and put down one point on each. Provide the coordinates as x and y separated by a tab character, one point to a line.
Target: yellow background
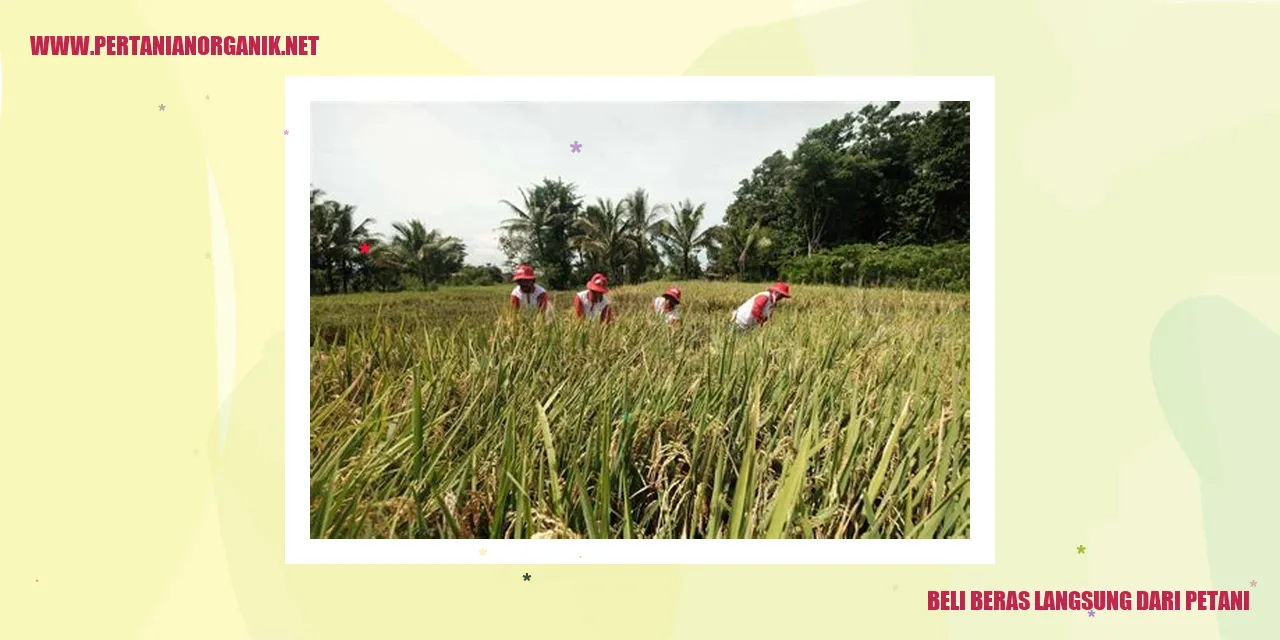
1135	171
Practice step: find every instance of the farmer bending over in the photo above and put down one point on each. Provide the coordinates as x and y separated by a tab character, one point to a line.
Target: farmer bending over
757	311
592	303
665	305
528	296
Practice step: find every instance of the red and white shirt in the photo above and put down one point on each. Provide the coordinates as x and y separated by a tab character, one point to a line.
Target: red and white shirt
662	307
535	300
584	308
756	311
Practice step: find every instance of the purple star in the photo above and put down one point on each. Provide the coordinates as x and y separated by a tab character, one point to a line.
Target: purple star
1090	614
577	148
286	132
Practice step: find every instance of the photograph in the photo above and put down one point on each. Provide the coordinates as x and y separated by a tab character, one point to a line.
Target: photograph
683	320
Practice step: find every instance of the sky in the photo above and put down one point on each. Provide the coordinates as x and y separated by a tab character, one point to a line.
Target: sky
450	164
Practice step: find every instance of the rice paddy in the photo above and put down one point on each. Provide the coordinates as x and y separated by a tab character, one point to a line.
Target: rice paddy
439	415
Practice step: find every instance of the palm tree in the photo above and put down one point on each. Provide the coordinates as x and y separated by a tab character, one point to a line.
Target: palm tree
603	234
319	239
646	223
735	246
382	266
427	254
541	229
530	221
681	240
536	219
336	238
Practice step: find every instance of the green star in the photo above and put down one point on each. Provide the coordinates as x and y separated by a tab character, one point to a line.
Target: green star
526	577
1080	549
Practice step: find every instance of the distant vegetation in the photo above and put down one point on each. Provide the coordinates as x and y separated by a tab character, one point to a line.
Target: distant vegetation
941	266
877	197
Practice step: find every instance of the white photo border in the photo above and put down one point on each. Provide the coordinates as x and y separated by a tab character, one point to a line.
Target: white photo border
301	92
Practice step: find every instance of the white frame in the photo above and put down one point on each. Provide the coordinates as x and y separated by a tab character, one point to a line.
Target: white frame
300	92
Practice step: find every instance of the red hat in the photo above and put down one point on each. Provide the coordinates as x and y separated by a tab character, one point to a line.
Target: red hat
781	289
673	293
598	283
524	272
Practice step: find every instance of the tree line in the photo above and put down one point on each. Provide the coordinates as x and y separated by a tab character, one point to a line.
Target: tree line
631	240
877	177
347	255
876	196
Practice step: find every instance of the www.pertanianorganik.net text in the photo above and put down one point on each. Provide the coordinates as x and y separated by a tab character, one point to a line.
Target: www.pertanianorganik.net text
174	45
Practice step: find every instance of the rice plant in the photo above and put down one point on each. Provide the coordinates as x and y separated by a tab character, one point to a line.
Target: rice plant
439	415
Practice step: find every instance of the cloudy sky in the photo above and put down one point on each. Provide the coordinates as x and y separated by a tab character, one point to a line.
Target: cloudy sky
449	164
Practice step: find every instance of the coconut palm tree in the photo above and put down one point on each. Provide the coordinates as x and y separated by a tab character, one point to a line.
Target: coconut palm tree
646	222
541	228
603	235
319	240
681	240
383	266
428	254
336	239
737	249
530	222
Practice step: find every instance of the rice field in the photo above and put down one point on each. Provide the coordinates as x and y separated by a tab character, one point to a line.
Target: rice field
438	415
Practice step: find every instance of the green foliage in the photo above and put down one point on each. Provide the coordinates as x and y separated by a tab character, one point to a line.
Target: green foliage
873	177
859	199
539	233
942	266
681	239
429	255
471	275
439	415
621	240
603	238
415	256
646	222
336	238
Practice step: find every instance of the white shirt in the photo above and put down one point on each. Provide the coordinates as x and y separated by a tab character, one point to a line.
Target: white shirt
660	307
528	301
592	311
744	316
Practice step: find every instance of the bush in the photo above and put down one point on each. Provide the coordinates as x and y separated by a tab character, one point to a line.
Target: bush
941	266
471	275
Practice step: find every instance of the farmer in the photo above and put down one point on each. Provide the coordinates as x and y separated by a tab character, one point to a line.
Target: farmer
665	305
756	311
592	304
528	296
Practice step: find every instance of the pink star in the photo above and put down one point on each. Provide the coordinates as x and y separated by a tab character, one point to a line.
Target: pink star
286	132
1253	583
